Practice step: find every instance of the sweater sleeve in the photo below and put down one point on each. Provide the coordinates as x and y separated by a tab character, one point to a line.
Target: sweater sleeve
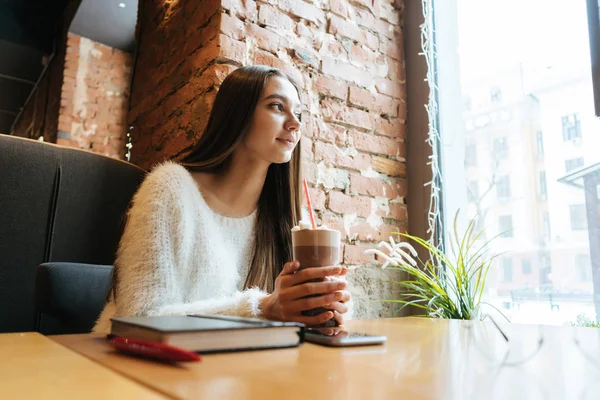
158	240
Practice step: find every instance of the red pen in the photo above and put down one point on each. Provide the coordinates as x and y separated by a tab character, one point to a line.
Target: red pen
155	350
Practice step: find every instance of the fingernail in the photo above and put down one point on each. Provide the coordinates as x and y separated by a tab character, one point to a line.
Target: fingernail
338	296
337	270
296	264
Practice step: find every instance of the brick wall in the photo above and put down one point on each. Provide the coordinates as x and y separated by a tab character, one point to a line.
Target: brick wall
94	97
348	57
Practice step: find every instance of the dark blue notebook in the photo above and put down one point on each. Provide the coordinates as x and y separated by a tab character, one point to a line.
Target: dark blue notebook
210	333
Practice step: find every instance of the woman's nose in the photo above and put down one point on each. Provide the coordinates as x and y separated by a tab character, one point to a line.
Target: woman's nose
293	124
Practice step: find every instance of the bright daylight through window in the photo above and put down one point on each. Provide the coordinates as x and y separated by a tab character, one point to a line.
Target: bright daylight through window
521	146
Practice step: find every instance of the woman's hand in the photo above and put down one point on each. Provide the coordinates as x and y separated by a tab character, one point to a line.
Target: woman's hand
339	307
288	300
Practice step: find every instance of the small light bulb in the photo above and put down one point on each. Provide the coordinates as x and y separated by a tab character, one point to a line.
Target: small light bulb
122	5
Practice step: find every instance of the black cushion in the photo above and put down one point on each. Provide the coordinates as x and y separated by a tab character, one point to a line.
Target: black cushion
70	296
57	204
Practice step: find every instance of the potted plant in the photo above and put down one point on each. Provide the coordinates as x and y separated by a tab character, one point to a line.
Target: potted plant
443	287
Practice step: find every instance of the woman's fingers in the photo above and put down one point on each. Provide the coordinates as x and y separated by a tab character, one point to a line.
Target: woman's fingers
289	268
309	303
316	320
310	289
337	306
339	318
314	273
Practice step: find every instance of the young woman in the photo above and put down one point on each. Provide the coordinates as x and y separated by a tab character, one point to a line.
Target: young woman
212	234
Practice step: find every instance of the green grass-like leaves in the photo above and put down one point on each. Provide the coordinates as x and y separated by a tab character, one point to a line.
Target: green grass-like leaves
446	288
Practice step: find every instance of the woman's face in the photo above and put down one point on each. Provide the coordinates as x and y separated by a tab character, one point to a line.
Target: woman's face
275	128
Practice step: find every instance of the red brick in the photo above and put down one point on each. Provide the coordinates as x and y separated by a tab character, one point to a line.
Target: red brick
381	104
389	167
339	7
344	204
346	28
355	255
392	128
392	48
233	27
333	156
197	61
374	144
233	50
331	87
393	89
266	39
377	187
368	20
317	198
199	15
396	70
334	47
307	148
349	72
245	9
270	16
332	134
372	5
179	98
303	10
264	58
365	232
306	56
334	222
309	170
362	56
198	38
398	211
335	111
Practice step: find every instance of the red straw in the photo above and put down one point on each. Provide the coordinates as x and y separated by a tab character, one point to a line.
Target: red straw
310	210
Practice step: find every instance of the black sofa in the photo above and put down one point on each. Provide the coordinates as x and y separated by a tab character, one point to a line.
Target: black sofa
57	204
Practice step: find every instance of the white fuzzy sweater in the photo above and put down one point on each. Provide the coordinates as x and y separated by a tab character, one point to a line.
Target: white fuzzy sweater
177	256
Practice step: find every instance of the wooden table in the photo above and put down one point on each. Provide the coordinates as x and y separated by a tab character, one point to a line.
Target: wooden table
35	367
423	359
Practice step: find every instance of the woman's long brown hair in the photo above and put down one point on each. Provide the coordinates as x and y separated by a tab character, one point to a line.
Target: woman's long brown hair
279	206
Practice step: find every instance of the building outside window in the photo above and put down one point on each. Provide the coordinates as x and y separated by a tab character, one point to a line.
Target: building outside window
573	164
500	148
571	127
505	224
578	217
503	187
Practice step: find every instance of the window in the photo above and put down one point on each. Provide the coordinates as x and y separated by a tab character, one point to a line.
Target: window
473	192
526	266
573	163
540	144
507	269
500	148
583	265
467	103
496	95
543	184
505	226
503	188
578	217
546	223
571	127
471	155
535	118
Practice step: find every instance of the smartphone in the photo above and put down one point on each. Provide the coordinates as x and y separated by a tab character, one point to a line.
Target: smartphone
338	337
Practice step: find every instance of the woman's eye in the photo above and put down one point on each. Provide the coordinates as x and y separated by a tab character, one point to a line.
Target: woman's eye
299	117
277	106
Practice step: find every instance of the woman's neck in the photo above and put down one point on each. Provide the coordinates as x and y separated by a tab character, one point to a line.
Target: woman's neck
236	191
